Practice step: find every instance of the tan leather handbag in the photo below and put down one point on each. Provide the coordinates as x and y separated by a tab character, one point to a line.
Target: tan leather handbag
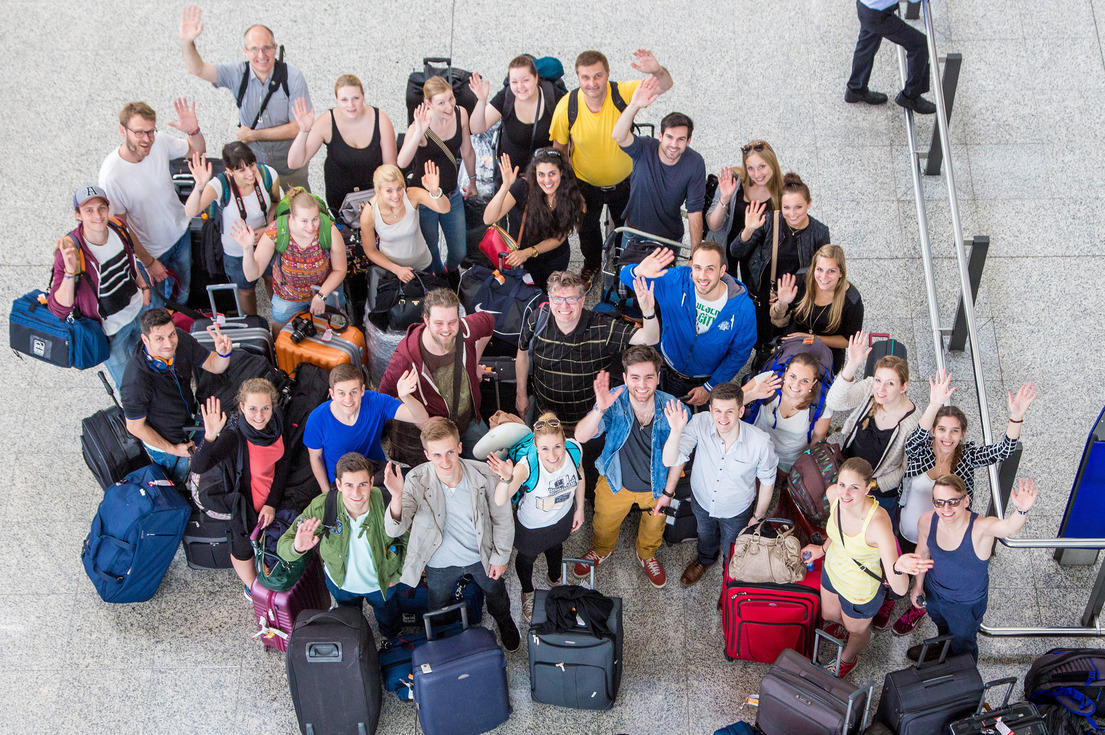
775	556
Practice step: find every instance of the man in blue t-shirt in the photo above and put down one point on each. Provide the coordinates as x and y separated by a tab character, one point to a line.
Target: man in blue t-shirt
353	418
666	173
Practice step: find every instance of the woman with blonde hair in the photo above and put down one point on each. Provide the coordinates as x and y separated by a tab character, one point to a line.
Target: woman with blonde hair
440	134
830	306
359	139
390	232
758	180
548	483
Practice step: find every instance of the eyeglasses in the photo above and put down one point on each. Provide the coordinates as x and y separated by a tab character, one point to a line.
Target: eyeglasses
953	502
143	133
551	423
569	300
757	146
254	50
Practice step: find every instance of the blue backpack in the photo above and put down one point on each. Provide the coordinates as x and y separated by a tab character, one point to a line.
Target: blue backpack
526	449
778	362
134	536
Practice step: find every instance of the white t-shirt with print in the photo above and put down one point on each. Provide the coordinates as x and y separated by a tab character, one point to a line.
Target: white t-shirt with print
551	498
789	435
706	311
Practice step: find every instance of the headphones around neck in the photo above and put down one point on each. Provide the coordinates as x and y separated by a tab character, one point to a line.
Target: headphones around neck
159	364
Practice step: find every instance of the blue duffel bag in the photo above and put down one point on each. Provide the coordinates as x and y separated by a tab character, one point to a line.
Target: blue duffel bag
134	536
77	341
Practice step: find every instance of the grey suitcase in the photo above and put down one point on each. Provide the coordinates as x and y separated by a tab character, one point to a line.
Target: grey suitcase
798	696
926	697
575	669
247	332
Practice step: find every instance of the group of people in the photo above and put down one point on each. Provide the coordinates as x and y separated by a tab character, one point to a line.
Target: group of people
616	408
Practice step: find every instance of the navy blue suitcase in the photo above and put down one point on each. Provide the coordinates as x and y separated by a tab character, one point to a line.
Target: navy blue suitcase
134	536
460	682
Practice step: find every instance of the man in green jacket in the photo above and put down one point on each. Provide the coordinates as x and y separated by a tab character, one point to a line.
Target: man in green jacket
362	563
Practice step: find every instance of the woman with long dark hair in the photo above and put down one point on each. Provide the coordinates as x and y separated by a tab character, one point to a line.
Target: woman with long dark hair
525	107
552	209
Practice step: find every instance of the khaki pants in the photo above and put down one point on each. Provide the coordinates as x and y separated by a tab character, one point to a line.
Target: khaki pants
611	509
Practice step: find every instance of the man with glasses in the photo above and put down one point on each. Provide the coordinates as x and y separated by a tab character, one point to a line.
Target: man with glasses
139	186
264	89
709	320
960	542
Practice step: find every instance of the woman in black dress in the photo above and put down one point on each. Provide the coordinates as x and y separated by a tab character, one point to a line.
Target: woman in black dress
525	107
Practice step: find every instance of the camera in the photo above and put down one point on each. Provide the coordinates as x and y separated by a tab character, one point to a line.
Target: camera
301	328
670	510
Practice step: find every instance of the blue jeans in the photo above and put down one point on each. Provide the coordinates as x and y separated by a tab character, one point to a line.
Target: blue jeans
715	534
122	347
283	311
232	265
961	619
441	583
388	615
175	467
178	259
456	233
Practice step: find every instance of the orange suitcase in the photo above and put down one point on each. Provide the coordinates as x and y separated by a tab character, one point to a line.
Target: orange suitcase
320	348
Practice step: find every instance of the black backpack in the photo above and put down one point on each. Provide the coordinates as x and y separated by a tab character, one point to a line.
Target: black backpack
573	103
311	389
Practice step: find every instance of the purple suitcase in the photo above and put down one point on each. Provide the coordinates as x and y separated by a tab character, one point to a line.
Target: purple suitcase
276	611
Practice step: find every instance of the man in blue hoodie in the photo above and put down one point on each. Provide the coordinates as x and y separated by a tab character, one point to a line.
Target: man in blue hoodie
708	320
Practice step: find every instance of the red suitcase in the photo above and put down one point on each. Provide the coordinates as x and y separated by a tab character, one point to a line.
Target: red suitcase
276	611
762	620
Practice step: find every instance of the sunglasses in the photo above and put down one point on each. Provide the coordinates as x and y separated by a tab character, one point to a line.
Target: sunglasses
953	502
551	423
548	152
757	146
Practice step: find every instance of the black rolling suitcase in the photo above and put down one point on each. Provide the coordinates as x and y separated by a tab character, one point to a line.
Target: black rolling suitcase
882	348
333	673
109	450
575	668
1021	718
205	542
681	525
926	697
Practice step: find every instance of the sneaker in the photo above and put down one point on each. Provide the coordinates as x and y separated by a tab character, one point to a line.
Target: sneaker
918	104
527	606
654	570
841	669
508	633
909	620
552	582
882	617
836	630
248	594
584	570
588	276
871	98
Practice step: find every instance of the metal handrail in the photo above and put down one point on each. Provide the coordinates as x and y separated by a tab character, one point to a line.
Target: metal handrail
969	313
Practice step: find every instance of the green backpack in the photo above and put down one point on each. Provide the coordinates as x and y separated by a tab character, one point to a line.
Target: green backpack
284	237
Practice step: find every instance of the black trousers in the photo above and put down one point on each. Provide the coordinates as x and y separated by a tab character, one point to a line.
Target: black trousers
590	231
874	26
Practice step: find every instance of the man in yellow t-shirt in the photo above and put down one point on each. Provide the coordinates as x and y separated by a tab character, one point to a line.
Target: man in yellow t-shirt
582	128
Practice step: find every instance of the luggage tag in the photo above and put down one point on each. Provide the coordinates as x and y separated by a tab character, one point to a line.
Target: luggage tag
1002	728
327	335
219	319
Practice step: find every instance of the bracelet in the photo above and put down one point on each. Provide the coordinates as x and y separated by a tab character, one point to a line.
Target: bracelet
143	288
535	253
650	316
194	132
438	195
1016	421
222	355
69	277
895	568
1022	512
759	519
318	294
150	264
670	495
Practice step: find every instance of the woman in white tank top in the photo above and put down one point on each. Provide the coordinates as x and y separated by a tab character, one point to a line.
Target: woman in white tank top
392	217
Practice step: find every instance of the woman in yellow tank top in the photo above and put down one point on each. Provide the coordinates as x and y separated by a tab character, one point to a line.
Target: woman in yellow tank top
860	546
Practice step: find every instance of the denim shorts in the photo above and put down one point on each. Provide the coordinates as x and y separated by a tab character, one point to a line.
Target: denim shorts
865	611
283	311
233	267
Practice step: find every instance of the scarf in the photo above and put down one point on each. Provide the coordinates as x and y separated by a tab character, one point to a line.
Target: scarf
265	437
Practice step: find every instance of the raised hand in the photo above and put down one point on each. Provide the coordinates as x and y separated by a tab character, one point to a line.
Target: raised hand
764	389
244	235
858	349
422	117
1024	494
1018	404
504	468
393	479
305	538
676	415
213	418
304	116
69	257
479	86
186	121
223	343
655	264
200	168
646	93
510	173
940	389
646	296
431	179
191	24
787	289
727	183
407	384
604	399
913	564
754	216
645	62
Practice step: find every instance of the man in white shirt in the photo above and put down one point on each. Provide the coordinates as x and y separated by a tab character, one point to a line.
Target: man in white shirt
730	456
139	186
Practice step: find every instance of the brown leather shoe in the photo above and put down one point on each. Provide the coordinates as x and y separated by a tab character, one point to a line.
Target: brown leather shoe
720	600
692	573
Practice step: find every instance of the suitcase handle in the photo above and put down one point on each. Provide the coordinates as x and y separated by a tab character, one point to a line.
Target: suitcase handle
109	389
462	606
922	659
871	337
1009	681
448	61
324	652
866	694
818	635
586	562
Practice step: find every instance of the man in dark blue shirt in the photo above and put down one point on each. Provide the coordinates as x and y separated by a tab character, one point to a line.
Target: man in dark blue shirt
666	173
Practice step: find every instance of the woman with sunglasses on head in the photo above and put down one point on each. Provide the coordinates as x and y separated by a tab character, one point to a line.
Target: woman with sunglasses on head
937	448
525	107
440	134
359	138
552	209
860	553
390	234
550	478
758	180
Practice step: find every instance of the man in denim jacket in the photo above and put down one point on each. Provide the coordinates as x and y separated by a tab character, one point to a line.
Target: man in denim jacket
631	462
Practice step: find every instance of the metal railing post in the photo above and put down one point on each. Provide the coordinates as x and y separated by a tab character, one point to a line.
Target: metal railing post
980	246
949	82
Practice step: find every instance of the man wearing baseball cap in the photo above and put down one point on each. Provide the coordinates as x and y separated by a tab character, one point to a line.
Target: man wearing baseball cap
96	274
